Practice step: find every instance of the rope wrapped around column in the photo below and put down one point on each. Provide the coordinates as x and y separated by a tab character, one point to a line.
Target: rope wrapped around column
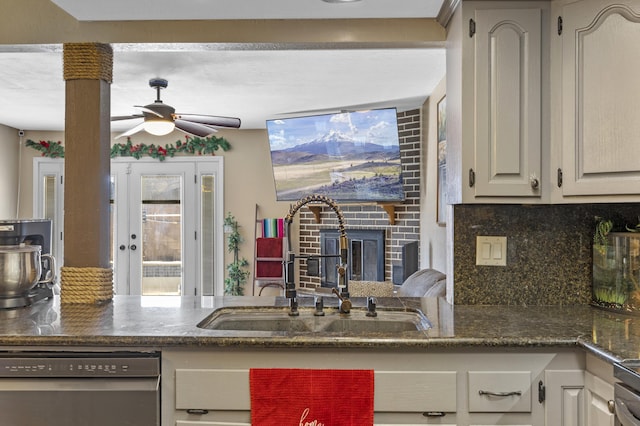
86	285
88	61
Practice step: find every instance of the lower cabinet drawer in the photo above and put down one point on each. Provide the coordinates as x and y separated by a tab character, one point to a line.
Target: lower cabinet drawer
500	391
410	391
415	391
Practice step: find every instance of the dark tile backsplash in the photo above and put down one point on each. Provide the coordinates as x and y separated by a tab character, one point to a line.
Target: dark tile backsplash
548	252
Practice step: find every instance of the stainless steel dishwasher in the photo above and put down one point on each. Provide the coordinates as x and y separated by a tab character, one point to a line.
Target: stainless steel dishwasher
79	389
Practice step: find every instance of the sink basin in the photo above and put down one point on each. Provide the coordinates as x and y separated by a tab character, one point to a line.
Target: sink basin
255	321
279	320
370	326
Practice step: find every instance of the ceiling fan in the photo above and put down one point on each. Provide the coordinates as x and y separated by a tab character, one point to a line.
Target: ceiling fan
161	119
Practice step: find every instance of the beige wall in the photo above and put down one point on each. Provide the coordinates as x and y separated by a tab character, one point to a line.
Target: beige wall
432	236
9	142
249	183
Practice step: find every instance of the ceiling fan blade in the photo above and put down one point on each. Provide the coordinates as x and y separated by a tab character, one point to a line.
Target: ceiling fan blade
196	129
210	120
149	110
131	131
126	117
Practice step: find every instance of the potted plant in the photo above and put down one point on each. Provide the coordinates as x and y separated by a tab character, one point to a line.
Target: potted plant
236	270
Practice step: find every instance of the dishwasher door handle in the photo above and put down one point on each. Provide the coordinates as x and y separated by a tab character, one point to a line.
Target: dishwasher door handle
624	416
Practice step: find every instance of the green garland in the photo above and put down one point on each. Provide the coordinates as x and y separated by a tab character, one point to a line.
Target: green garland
47	148
190	146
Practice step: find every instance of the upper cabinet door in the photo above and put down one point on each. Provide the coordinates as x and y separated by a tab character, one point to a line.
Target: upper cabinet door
508	102
601	98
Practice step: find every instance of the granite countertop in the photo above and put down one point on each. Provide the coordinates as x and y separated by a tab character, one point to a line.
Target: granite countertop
158	322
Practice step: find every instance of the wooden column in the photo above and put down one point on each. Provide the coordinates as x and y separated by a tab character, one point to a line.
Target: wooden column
88	71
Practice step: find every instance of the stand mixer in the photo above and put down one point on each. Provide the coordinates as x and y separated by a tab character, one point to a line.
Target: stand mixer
29	232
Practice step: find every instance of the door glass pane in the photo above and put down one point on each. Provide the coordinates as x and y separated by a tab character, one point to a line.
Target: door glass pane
161	239
49	204
207	233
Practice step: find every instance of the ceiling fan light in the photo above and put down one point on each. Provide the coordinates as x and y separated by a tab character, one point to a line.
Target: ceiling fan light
159	127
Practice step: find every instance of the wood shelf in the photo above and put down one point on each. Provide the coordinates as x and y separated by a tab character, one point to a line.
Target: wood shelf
316	212
391	211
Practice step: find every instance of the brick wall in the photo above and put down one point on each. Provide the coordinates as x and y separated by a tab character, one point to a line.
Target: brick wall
372	216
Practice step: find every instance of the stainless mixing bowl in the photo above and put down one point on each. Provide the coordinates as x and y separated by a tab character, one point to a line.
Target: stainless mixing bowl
20	269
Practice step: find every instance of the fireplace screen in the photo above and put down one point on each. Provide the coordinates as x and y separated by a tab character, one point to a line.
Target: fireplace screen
365	255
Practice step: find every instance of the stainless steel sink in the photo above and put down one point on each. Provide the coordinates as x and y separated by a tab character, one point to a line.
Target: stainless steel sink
279	320
243	320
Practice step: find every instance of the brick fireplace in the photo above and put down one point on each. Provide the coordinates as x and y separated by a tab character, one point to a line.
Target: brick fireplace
373	217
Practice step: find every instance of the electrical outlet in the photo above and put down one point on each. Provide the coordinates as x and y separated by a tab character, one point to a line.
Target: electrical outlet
491	251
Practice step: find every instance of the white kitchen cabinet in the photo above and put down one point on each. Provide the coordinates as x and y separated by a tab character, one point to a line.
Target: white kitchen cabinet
210	386
214	386
595	99
497	82
599	392
564	397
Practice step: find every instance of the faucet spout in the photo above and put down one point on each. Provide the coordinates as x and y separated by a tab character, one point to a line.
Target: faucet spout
290	288
319	199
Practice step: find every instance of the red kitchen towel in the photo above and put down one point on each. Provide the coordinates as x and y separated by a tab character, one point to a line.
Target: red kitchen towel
308	397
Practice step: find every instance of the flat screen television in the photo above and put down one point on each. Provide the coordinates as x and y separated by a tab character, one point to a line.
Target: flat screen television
351	156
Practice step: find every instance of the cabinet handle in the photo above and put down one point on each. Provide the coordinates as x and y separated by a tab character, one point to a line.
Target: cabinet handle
197	411
433	414
559	178
611	405
500	394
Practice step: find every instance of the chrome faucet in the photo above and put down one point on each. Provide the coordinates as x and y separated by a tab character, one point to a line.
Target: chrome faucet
343	285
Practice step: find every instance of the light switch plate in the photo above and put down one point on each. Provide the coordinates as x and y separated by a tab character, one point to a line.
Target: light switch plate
491	251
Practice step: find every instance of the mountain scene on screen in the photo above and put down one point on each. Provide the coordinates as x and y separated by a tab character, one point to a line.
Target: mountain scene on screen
347	157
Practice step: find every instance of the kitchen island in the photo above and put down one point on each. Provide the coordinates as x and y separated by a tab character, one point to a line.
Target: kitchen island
420	375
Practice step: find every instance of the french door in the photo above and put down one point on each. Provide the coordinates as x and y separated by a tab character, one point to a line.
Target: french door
166	223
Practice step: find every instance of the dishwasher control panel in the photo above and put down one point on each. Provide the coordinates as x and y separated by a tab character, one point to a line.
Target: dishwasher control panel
79	365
